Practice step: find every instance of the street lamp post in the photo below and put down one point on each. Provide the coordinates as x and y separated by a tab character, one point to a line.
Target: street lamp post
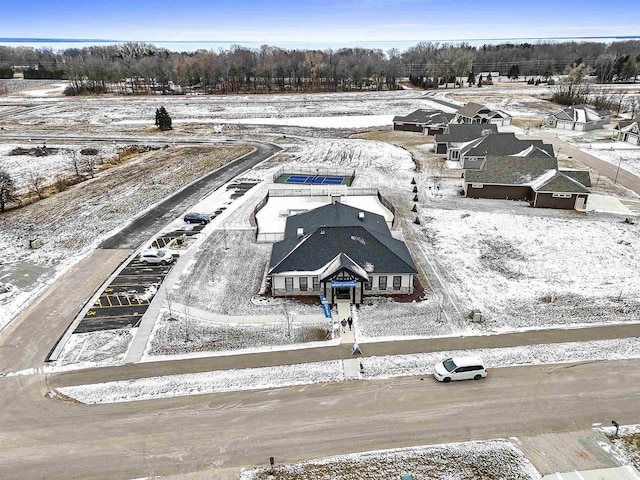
617	170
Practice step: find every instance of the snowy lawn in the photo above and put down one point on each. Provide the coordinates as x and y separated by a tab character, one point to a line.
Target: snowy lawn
488	460
623	154
526	270
180	336
626	446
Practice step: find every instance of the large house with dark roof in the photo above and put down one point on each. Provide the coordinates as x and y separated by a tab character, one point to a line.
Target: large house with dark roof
578	117
340	252
536	179
457	135
475	113
472	154
628	131
423	121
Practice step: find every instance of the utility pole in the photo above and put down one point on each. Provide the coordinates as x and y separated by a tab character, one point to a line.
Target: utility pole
617	170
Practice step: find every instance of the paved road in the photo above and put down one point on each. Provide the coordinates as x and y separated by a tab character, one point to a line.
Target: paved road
624	177
146	225
30	337
45	438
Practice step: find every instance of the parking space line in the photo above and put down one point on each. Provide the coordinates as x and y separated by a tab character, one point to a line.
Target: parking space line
118	298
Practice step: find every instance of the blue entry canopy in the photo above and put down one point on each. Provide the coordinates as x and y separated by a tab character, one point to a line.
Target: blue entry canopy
343	283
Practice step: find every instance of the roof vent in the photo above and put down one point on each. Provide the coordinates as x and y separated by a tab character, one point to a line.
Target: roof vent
361	215
300	232
321	232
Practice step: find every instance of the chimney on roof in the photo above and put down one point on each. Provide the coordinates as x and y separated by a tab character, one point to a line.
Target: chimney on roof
361	215
300	232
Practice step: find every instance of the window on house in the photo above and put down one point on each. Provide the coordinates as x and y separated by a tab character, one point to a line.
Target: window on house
397	282
316	284
367	285
561	195
303	284
288	284
382	282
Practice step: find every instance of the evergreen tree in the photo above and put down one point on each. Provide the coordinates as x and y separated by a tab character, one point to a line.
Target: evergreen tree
163	120
7	190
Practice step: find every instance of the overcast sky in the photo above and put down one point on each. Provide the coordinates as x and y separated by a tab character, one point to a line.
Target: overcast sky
287	21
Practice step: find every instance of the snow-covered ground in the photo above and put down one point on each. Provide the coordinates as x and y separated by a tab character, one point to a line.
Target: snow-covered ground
459	461
333	371
522	268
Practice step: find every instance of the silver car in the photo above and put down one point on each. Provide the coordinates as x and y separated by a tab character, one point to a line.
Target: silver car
155	257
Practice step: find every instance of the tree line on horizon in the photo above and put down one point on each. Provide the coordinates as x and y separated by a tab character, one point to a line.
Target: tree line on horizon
140	68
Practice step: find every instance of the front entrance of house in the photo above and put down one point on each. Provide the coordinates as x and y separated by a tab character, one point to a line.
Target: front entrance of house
344	285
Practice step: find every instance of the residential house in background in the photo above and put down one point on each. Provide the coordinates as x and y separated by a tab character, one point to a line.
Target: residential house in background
457	135
472	154
425	121
628	131
340	252
578	117
536	179
476	113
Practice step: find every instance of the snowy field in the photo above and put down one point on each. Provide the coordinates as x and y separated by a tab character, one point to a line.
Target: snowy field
489	460
624	154
626	446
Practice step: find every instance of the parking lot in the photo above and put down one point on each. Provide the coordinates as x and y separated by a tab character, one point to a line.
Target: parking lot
124	301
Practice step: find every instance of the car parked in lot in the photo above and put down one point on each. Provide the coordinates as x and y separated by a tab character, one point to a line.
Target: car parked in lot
156	257
459	368
200	218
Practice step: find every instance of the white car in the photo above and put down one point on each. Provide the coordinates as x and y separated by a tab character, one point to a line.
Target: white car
459	368
156	257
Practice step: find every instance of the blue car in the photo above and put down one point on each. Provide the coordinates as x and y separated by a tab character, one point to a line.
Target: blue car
200	218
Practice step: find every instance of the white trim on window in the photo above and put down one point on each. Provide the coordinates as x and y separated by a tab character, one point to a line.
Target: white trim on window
561	195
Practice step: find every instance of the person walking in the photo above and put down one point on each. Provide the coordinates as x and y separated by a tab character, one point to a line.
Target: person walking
350	322
344	325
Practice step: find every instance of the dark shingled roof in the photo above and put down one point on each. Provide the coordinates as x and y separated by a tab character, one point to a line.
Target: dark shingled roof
334	215
501	144
465	132
581	176
625	123
559	183
426	117
335	229
507	170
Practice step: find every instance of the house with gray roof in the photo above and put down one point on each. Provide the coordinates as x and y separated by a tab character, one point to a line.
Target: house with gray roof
457	135
536	179
475	113
628	131
578	117
472	154
427	121
340	252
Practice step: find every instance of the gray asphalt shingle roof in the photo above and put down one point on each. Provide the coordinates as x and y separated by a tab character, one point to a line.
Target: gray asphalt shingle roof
336	229
426	117
465	132
560	183
501	144
506	170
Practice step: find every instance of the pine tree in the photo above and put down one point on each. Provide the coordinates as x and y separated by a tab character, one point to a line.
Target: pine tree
163	120
7	190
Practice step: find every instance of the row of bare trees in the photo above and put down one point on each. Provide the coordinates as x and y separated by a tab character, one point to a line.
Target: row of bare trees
139	68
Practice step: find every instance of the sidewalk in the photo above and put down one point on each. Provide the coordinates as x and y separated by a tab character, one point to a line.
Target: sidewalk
340	352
